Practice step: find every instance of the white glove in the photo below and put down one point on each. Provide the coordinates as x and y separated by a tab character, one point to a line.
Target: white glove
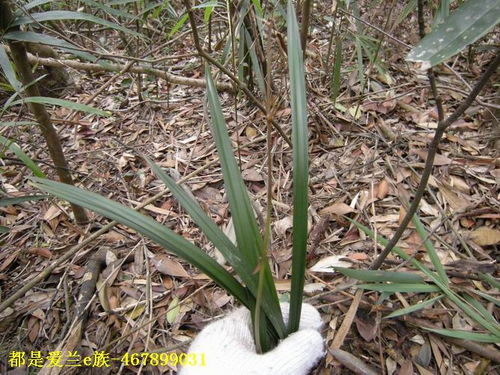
229	348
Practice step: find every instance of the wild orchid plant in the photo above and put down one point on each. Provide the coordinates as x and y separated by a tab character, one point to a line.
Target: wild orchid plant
256	290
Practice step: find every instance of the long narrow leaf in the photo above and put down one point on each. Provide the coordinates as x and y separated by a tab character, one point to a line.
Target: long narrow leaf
207	225
178	25
479	307
380	276
494	328
490	280
255	61
18	123
336	70
8	70
401	288
11	201
224	244
300	167
63	103
63	15
409	7
12	100
431	251
465	335
487	297
151	229
31	37
14	147
109	10
246	229
413	308
36	3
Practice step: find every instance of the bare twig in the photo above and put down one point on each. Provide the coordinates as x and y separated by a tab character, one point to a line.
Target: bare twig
433	147
120	68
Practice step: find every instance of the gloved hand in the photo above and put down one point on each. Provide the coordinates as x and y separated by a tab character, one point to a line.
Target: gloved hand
229	348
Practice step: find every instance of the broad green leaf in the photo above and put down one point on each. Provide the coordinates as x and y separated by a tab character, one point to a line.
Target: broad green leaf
402	288
8	70
63	103
63	15
431	251
12	146
300	166
246	229
4	229
465	335
12	201
413	308
29	36
381	276
153	230
467	24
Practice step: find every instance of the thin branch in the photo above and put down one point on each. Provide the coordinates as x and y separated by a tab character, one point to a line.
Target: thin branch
118	68
433	147
430	72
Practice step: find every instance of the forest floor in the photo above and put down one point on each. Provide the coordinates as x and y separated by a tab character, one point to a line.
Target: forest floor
366	156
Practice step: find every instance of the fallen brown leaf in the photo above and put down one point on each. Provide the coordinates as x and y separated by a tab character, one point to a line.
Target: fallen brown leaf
382	189
168	266
438	159
485	236
336	209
